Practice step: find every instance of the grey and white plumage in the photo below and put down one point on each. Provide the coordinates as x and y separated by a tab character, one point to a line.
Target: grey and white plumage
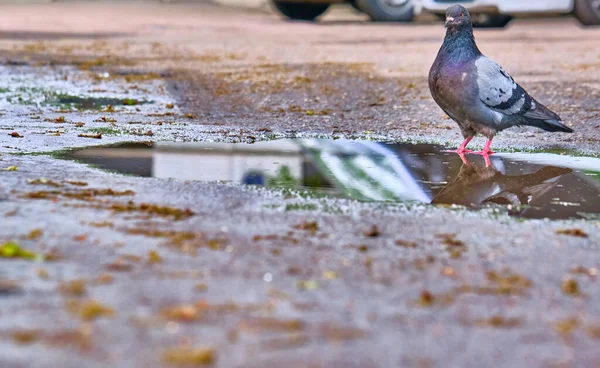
476	92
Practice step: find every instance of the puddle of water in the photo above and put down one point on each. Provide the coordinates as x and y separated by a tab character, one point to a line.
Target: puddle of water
525	185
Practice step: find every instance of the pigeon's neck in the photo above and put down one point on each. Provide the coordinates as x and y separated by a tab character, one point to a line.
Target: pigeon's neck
459	45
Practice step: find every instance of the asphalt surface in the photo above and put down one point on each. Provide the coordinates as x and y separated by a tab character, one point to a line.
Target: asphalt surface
151	272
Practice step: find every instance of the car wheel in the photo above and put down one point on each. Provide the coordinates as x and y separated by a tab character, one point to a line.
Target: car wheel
588	12
354	5
387	10
300	11
491	20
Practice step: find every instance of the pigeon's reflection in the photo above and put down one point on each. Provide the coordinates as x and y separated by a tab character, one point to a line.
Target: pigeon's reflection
477	185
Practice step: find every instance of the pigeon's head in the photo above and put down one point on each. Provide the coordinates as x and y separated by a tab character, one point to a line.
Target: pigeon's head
458	17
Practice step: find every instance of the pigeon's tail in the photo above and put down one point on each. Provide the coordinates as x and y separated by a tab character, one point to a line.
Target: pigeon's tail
549	125
542	117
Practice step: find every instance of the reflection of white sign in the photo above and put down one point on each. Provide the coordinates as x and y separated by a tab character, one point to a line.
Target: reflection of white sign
225	161
550	159
368	170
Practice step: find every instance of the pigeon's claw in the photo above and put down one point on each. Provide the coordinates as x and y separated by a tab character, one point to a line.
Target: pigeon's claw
459	151
486	150
462	151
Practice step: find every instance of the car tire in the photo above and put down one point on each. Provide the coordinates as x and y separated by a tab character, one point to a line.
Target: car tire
587	13
384	11
300	11
354	5
491	20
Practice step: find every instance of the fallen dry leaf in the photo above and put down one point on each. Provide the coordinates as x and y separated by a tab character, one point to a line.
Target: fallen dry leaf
94	136
184	356
573	232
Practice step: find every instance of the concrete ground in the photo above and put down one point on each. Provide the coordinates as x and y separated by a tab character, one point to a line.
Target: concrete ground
143	272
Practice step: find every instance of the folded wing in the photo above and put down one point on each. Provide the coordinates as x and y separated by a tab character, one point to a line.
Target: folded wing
499	92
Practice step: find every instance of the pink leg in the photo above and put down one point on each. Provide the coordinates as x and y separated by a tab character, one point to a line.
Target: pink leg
486	149
463	147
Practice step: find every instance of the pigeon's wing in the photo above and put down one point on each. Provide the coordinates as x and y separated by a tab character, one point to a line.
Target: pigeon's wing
499	91
511	104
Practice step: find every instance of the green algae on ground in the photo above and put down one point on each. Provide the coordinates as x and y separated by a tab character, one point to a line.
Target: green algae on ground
34	96
13	250
104	131
301	207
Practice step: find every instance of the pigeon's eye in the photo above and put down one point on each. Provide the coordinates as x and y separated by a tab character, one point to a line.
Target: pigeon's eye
462	15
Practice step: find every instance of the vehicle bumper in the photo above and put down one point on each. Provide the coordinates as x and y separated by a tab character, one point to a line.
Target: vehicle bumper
314	1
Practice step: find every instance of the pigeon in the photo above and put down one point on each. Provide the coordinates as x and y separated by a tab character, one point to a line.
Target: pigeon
479	94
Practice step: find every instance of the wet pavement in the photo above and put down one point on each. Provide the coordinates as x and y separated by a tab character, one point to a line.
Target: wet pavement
151	215
260	277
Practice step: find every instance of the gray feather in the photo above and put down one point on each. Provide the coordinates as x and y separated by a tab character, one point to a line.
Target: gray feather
497	89
499	92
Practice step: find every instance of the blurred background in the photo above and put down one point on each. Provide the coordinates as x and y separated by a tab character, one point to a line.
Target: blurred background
487	13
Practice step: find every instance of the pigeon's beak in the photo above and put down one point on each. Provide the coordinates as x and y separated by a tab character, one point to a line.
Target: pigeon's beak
449	20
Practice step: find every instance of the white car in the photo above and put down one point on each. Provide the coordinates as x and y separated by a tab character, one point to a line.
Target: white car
486	13
497	13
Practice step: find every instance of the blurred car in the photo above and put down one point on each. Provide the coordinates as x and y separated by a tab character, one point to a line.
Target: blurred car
378	10
497	13
486	13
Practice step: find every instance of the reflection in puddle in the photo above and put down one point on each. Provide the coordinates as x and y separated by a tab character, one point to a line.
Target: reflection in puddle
526	185
477	185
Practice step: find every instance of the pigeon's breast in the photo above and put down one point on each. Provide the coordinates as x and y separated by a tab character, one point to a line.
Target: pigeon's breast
453	87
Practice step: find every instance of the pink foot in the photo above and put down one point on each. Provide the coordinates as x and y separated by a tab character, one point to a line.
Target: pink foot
462	149
459	151
486	150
